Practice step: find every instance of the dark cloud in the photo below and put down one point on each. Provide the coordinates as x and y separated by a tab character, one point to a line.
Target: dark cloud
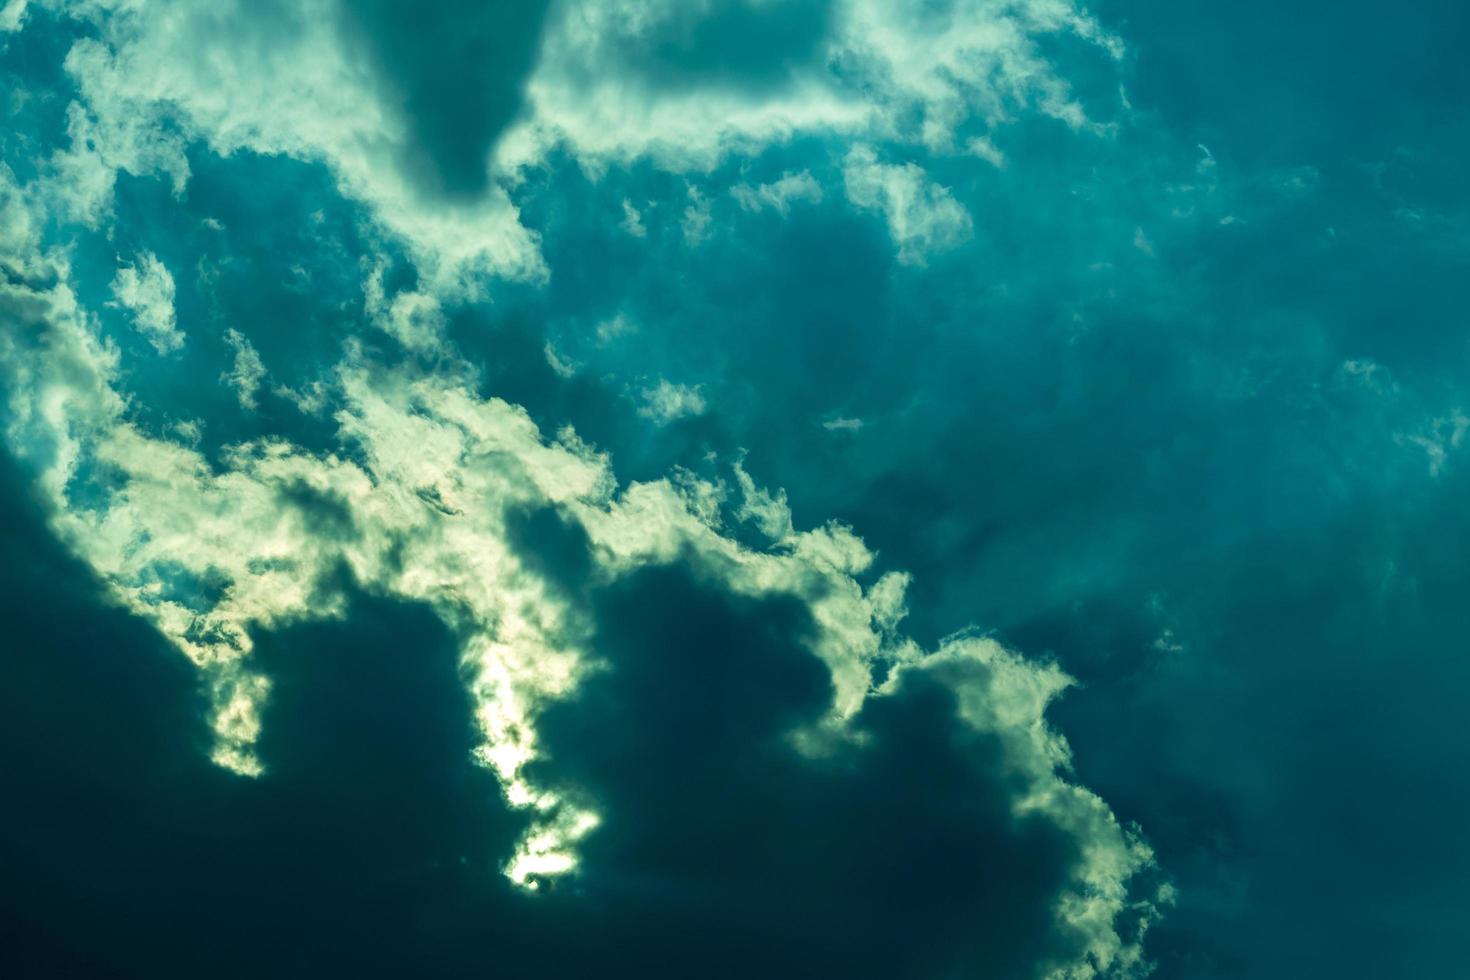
454	71
898	856
126	853
373	843
1153	464
110	794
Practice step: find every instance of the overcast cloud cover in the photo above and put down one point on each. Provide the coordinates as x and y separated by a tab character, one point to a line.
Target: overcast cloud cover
791	488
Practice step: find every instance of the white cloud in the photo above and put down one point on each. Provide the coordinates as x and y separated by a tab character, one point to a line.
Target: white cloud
289	84
157	76
146	289
1006	696
561	366
923	217
985	148
883	70
247	372
667	402
697	217
12	15
618	326
767	511
427	475
412	317
780	194
633	221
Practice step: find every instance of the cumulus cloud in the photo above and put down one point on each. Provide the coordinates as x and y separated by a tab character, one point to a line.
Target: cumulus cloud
683	83
146	290
412	317
349	85
12	15
291	79
422	502
644	700
639	659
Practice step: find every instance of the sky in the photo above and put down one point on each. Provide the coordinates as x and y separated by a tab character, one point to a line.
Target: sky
784	488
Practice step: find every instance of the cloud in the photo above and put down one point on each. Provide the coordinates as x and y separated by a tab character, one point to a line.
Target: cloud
144	858
318	82
620	325
434	128
653	700
722	754
12	15
248	370
688	85
1439	438
667	402
1059	424
424	501
563	368
697	217
923	217
633	221
374	812
146	290
412	317
780	194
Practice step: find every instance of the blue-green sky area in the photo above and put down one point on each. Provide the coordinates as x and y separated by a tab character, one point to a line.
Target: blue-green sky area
785	488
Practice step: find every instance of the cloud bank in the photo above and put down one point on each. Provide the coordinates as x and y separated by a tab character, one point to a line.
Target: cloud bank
681	703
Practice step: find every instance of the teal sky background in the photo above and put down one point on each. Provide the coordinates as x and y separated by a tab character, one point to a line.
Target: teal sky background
1150	367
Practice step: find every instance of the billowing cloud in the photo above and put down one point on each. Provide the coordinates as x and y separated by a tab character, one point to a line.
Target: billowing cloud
213	554
650	692
319	81
1147	361
146	290
412	121
425	498
688	84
